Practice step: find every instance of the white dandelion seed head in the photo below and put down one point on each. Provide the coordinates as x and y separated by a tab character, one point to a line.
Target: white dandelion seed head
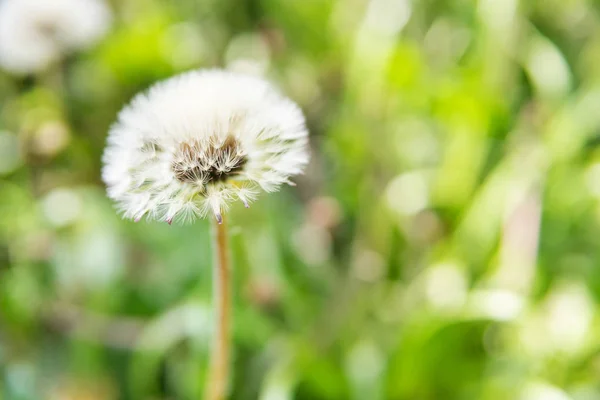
34	33
193	144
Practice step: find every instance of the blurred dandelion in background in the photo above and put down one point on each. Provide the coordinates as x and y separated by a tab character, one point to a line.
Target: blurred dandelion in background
36	33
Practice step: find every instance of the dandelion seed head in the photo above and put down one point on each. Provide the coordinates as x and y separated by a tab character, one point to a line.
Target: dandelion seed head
35	33
195	143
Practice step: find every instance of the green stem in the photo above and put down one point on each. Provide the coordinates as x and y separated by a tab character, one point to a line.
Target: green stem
218	375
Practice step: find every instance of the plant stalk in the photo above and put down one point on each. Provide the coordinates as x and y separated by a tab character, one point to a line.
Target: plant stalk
218	374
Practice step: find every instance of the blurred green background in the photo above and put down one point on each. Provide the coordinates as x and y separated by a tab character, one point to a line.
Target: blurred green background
442	244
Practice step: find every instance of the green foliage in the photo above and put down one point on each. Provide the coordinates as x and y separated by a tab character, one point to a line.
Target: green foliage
442	244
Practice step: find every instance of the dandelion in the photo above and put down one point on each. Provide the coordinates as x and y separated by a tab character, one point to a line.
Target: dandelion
191	146
197	142
36	33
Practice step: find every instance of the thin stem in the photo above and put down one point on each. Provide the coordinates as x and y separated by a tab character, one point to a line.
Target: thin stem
218	374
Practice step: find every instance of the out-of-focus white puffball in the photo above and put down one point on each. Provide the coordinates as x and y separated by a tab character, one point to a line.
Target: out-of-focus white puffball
34	33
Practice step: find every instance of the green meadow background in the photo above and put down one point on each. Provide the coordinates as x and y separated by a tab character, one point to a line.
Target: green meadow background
443	243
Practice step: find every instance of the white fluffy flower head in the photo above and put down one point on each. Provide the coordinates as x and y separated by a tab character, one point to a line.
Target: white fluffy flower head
194	143
34	33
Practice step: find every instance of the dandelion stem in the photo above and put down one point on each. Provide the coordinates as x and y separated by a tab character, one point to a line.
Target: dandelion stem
218	374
